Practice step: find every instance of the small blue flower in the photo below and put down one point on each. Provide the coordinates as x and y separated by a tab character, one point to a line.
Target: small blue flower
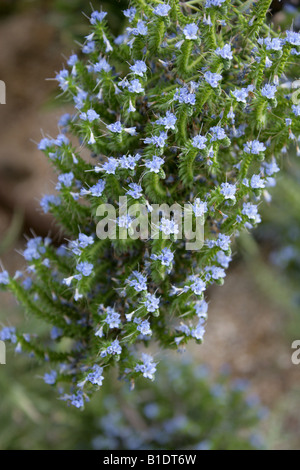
255	147
269	91
224	52
242	94
190	31
168	226
140	29
162	9
228	190
296	109
168	121
89	47
199	207
4	278
65	179
102	65
212	79
199	142
116	127
138	281
130	13
218	133
223	241
155	164
135	86
144	328
96	377
48	200
113	318
135	191
151	303
85	268
148	368
250	210
166	256
110	166
50	379
63	79
293	38
97	16
139	67
184	96
90	116
257	182
214	3
198	286
274	44
8	333
73	59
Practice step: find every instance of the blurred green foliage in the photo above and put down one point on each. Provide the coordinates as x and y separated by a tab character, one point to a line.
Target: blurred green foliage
183	409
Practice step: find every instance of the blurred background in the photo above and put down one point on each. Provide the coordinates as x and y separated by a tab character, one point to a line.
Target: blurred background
253	319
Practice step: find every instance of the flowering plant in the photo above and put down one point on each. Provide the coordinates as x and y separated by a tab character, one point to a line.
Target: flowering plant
188	106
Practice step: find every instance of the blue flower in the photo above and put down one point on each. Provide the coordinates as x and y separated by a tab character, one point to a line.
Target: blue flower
199	207
97	16
116	127
135	191
168	121
34	249
65	179
223	241
223	259
130	13
155	164
296	109
96	377
198	286
224	52
89	47
85	268
62	78
250	210
148	368
158	141
162	9
218	133
199	142
255	147
8	333
212	78
110	166
190	31
138	281
257	182
151	303
184	96
50	379
293	38
168	226
113	349
90	116
4	278
144	328
242	94
214	3
102	65
135	86
166	256
269	91
228	190
274	44
113	318
47	200
73	59
140	29
139	67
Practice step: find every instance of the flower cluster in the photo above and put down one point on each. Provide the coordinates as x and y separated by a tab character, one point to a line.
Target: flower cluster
182	108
